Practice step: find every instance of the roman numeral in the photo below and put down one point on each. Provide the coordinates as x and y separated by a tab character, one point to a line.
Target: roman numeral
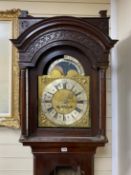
46	101
80	101
49	93
78	109
50	109
73	116
58	86
64	118
64	85
72	88
56	115
78	93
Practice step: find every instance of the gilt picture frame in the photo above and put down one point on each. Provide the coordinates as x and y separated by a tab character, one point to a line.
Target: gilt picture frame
9	71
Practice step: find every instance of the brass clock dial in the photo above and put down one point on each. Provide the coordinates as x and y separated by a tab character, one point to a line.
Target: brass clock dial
64	101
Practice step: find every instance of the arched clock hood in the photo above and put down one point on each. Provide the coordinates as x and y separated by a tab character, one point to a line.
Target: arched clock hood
63	32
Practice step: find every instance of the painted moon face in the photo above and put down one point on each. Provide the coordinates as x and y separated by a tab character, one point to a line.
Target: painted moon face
64	101
65	64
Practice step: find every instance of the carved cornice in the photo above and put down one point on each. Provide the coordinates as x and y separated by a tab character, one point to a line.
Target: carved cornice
37	38
60	36
65	23
44	42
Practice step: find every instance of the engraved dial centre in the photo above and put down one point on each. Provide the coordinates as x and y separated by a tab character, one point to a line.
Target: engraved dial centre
64	101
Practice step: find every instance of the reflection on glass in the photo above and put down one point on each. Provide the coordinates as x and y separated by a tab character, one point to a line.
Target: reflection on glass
5	67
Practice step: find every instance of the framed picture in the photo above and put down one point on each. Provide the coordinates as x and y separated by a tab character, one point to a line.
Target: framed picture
9	71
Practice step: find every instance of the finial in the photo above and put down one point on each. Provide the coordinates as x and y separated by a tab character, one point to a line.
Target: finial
103	13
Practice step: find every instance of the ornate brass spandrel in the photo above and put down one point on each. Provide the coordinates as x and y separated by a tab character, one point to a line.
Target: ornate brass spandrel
13	120
44	81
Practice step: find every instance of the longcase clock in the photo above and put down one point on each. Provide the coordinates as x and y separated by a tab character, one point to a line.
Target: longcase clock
63	62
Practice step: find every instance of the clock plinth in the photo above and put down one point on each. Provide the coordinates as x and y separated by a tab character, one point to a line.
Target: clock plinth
63	119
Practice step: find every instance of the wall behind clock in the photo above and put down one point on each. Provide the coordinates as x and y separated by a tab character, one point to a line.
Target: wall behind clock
16	159
121	87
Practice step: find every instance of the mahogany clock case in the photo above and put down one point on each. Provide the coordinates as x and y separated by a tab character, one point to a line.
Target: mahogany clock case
44	40
41	42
